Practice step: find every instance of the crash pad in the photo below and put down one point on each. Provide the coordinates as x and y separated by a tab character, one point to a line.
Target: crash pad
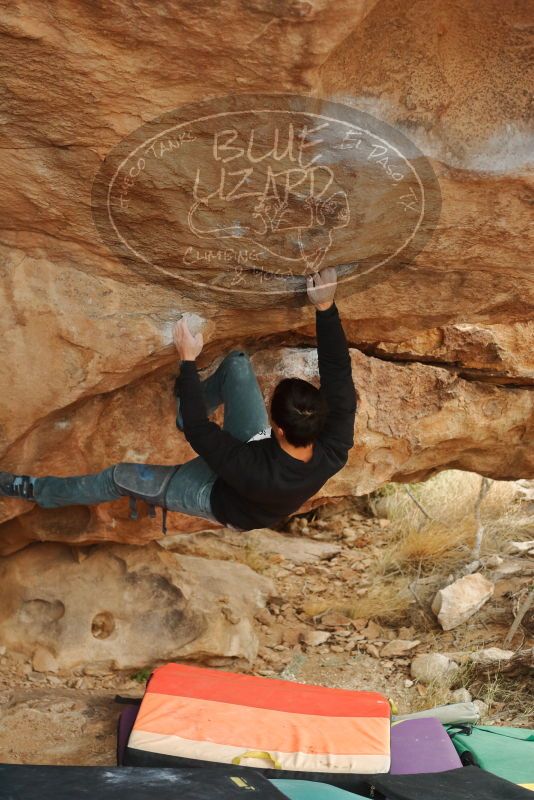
421	745
28	782
309	790
198	716
507	752
464	783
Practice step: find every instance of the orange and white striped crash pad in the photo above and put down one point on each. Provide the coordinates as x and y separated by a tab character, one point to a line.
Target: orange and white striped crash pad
224	717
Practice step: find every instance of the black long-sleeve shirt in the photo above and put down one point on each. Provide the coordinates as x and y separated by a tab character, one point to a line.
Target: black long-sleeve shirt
258	483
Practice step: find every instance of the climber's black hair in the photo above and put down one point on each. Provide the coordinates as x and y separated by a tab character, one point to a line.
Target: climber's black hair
300	409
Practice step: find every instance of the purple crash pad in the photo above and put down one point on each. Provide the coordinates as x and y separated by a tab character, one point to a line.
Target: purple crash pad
421	745
124	728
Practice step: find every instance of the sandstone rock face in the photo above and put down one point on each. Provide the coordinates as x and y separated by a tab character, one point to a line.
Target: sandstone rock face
116	607
87	350
458	602
263	542
412	421
498	354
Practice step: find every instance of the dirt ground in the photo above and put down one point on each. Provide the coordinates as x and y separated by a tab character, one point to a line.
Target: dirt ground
52	719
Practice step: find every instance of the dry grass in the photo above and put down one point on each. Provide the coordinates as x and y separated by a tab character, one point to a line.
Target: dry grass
436	693
443	542
433	546
259	562
388	602
436	545
510	694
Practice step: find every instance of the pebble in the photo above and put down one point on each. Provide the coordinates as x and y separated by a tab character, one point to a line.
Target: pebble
291	636
461	696
483	708
315	638
264	617
372	650
372	631
37	677
399	647
335	620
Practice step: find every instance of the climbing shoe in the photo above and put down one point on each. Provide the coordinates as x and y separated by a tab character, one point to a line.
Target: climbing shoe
179	420
16	486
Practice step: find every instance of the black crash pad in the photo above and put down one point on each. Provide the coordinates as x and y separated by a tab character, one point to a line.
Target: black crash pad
28	782
464	783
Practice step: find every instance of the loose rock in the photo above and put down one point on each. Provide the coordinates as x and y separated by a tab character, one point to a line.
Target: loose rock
429	667
458	602
461	696
372	650
491	654
398	647
315	638
520	548
372	631
44	661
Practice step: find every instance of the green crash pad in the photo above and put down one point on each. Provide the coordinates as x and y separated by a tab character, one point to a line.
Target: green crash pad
507	752
312	790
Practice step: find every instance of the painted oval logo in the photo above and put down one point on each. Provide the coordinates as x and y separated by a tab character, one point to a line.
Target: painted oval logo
237	199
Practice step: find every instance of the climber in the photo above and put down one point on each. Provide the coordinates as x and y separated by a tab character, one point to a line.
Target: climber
248	474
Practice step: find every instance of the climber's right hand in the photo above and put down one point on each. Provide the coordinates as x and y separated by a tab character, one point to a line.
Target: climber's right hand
322	287
187	345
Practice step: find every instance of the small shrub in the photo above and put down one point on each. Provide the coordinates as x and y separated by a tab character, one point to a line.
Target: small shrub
143	675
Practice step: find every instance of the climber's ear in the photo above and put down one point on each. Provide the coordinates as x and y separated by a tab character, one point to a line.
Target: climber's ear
278	432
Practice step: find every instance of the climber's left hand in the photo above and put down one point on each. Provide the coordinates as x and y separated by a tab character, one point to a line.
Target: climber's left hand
189	346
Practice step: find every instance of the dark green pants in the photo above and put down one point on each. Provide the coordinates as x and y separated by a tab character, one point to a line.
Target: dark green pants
233	384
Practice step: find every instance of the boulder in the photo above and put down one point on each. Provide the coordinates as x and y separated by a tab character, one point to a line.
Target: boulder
432	667
494	353
394	440
122	607
94	335
457	602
